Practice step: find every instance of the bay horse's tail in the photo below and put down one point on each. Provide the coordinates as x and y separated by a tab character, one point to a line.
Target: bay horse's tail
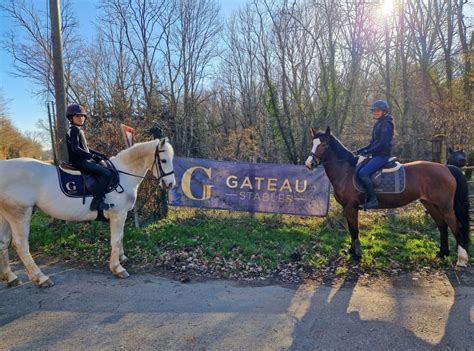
461	204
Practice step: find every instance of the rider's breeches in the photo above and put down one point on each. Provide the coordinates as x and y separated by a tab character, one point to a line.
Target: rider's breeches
104	174
372	166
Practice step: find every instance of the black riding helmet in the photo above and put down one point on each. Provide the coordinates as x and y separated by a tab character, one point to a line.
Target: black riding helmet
75	109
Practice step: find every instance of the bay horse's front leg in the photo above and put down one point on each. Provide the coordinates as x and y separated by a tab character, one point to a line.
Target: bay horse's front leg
351	212
117	222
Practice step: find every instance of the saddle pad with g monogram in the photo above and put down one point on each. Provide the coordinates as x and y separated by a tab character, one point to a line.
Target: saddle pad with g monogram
72	185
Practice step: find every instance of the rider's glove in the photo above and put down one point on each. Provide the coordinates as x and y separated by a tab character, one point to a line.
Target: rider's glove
362	152
97	158
102	156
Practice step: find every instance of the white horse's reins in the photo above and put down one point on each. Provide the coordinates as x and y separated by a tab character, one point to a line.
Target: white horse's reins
159	168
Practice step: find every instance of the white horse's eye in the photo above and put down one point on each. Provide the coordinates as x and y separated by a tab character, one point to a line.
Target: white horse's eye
163	161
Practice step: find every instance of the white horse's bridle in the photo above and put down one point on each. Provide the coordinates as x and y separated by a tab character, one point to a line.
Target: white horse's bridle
159	167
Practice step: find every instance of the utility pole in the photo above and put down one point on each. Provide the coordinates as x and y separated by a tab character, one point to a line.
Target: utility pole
51	131
59	86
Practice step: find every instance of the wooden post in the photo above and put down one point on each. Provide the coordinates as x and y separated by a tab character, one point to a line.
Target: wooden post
59	86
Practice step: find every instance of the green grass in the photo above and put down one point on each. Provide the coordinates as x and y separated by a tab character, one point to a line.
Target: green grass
408	241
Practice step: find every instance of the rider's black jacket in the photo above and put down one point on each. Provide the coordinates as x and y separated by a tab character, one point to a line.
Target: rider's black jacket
77	146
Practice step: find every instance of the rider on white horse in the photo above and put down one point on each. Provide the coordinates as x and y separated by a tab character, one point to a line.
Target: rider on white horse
26	183
86	159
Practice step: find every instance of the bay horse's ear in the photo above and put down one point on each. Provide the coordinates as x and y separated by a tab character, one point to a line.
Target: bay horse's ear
313	132
450	150
328	130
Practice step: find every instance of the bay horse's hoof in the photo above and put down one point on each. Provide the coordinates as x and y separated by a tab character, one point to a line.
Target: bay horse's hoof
122	275
442	254
356	250
46	284
14	282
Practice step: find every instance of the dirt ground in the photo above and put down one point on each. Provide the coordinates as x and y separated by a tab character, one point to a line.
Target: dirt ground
92	310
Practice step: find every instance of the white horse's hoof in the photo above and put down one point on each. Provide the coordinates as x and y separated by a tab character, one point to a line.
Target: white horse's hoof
122	275
46	284
14	282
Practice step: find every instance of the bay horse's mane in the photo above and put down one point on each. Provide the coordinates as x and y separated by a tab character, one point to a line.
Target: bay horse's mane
341	152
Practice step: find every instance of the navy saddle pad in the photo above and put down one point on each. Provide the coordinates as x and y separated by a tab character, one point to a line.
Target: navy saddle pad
390	180
75	184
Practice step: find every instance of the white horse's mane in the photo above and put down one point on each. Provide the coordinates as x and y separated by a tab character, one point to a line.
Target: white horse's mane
143	148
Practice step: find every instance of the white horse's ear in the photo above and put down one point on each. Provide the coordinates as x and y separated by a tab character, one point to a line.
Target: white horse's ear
163	141
313	132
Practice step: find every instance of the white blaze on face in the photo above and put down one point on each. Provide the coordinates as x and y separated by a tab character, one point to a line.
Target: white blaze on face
309	160
463	258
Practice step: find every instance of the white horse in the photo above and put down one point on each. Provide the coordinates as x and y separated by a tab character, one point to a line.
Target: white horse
25	183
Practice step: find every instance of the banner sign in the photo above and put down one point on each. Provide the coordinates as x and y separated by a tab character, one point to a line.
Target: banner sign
128	134
251	187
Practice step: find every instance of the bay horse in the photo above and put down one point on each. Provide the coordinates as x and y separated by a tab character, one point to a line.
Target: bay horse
26	183
442	189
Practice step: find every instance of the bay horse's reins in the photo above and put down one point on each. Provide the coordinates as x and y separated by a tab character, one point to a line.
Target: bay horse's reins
315	159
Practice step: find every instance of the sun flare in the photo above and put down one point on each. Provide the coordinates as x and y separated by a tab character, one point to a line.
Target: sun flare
387	7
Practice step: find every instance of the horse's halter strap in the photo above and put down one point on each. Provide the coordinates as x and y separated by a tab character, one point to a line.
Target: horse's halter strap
315	158
159	166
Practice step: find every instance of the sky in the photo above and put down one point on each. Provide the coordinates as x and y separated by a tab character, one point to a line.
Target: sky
24	109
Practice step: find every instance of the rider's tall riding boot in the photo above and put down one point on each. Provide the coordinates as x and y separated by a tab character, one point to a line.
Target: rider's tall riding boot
371	199
98	202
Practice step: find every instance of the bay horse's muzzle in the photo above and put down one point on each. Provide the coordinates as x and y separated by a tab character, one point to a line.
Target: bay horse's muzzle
312	162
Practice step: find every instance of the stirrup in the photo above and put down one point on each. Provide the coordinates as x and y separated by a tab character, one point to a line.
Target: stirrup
100	206
370	205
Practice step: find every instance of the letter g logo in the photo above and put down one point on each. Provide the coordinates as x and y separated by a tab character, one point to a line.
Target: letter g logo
186	184
71	186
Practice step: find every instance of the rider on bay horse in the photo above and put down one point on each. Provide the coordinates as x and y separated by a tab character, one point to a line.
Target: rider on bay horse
86	159
380	148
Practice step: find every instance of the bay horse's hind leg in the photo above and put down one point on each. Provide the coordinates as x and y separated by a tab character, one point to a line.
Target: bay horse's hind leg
450	218
5	269
442	227
20	226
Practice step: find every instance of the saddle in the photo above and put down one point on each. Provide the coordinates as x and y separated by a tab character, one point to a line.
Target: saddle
388	180
75	183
